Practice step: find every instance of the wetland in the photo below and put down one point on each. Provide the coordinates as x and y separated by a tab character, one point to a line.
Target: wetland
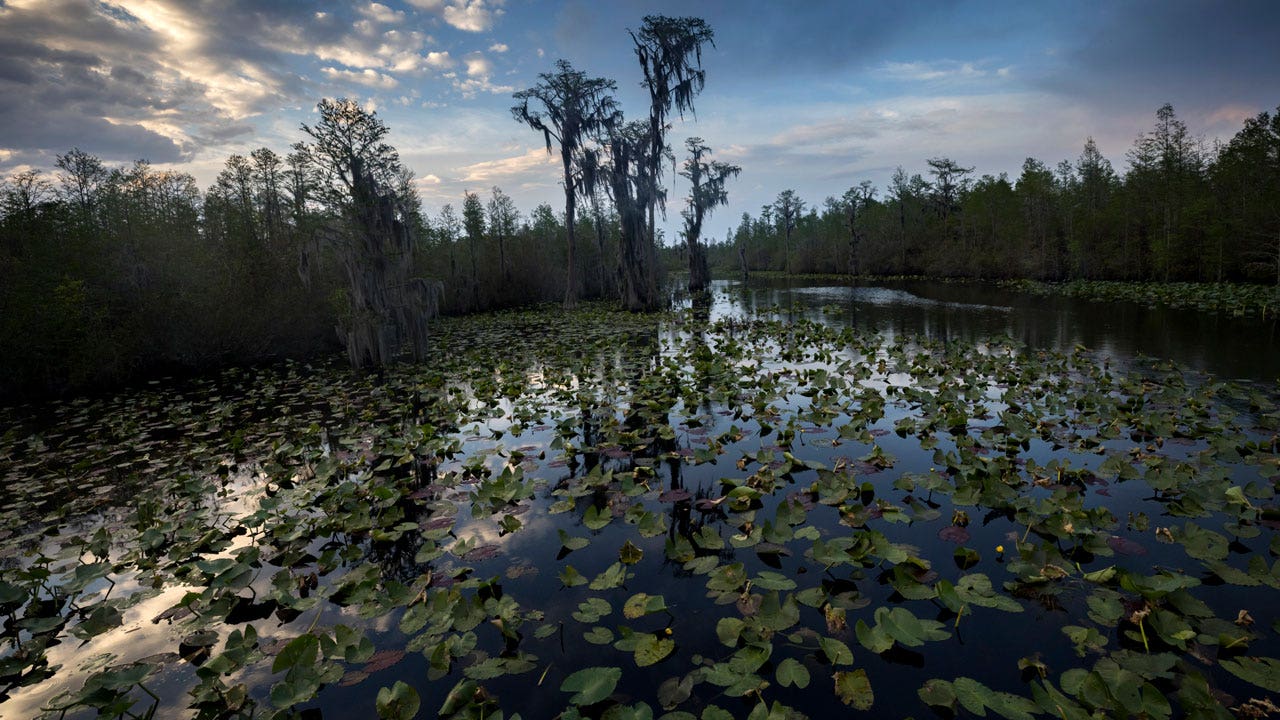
784	499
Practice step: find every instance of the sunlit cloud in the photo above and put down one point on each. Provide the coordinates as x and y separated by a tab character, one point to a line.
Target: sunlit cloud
439	60
478	65
367	77
368	48
381	13
470	15
236	90
495	171
1233	115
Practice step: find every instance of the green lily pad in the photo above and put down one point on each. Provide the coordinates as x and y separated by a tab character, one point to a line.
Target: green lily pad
399	702
1261	671
651	649
791	673
591	685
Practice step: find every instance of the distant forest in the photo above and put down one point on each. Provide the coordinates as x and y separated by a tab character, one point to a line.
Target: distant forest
1180	211
112	273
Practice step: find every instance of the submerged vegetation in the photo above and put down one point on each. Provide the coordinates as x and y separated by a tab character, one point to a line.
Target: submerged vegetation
608	514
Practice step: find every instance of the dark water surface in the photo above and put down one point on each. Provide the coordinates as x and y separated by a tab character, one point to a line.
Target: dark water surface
426	510
1228	347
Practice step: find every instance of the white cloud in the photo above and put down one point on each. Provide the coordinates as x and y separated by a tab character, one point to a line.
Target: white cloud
366	45
471	86
479	70
367	77
470	15
537	161
381	13
931	71
498	47
478	66
439	60
235	90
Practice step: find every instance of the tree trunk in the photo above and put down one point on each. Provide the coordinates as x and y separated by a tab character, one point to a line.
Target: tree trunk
387	306
786	250
902	240
571	279
699	273
636	295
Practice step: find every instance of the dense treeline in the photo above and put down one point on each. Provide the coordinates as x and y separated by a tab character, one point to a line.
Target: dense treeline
1180	211
109	272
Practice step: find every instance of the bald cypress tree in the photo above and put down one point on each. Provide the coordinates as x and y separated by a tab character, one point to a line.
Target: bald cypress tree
568	107
359	174
670	54
707	179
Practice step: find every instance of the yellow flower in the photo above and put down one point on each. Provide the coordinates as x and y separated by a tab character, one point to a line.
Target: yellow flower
999	548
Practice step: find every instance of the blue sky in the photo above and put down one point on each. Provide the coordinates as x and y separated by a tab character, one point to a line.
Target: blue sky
815	96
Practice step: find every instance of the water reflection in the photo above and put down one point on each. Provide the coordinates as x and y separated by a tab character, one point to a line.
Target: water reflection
1244	348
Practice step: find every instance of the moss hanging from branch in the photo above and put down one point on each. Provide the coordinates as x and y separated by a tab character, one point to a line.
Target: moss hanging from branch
389	307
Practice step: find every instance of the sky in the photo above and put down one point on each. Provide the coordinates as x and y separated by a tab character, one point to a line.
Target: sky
814	96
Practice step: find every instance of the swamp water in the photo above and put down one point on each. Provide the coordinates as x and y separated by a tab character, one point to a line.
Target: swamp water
885	501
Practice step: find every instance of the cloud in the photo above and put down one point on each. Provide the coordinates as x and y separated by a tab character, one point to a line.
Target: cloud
932	71
129	81
478	65
498	47
470	87
470	15
381	13
536	163
112	140
366	46
1134	57
439	60
466	15
368	77
1232	114
479	71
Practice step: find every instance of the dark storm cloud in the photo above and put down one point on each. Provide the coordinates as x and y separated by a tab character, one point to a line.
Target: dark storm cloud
55	98
94	76
59	132
1197	55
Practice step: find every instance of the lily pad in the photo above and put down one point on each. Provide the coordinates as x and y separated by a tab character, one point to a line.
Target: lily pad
591	685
